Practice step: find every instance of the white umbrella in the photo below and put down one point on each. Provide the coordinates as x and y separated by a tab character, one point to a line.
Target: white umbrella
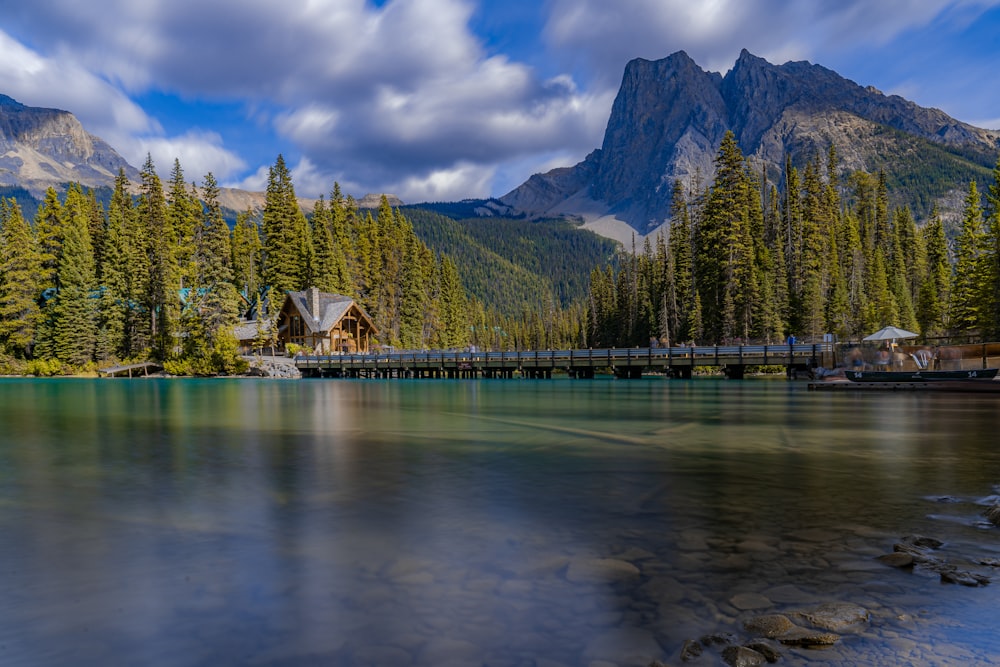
891	333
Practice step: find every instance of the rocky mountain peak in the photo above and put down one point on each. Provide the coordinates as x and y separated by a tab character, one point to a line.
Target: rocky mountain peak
670	115
6	101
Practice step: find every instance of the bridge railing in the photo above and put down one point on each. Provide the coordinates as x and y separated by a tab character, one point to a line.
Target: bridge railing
700	355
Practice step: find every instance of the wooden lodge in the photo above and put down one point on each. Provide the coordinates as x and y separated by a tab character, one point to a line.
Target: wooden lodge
325	323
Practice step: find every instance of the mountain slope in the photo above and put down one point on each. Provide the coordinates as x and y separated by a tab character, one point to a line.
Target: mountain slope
48	147
670	115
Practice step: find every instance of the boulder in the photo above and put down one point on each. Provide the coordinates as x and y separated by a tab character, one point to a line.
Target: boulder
768	625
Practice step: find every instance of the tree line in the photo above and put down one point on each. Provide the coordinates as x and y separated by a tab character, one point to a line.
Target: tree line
745	260
159	273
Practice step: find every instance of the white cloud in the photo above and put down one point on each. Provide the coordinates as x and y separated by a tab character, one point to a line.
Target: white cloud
713	32
198	152
402	94
458	182
58	82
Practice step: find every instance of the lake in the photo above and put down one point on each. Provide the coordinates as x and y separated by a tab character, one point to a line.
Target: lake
483	522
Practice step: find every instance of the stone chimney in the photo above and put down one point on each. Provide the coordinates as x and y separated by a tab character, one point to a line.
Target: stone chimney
312	303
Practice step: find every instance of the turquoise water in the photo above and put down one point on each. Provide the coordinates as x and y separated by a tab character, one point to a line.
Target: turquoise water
503	522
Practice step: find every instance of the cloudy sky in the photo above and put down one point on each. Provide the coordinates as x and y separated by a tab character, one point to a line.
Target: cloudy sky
438	100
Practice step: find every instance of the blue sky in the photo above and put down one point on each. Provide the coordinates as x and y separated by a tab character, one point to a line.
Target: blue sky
438	100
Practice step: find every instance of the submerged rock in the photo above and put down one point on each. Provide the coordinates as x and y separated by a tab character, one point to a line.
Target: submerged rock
691	650
741	656
897	559
600	570
923	542
770	652
836	616
964	578
718	639
808	638
993	515
748	601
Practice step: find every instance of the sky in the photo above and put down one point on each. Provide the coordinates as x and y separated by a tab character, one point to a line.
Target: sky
441	100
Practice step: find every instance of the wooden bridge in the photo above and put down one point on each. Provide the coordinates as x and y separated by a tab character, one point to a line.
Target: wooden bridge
623	362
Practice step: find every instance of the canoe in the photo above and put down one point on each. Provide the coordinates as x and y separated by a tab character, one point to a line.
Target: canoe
986	374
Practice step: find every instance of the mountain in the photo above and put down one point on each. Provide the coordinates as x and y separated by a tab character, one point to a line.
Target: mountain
670	116
49	147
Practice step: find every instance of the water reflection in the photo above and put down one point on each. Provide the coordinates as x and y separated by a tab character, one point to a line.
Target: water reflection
502	523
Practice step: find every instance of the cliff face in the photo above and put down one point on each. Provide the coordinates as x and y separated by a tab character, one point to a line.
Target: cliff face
48	147
670	115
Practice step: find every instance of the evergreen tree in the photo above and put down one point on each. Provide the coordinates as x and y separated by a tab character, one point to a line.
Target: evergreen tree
454	316
903	275
74	308
990	316
416	292
682	264
19	287
117	311
934	297
48	237
184	216
287	248
326	275
967	284
724	252
246	248
162	300
217	300
98	225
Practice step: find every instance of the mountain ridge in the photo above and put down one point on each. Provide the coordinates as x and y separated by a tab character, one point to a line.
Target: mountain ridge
41	146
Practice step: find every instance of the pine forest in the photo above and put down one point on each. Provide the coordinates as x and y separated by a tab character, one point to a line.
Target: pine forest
159	273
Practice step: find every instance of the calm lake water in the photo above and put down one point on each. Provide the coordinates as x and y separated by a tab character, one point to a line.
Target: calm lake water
503	522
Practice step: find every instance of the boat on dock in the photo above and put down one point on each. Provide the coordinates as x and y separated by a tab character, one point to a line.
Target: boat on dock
973	375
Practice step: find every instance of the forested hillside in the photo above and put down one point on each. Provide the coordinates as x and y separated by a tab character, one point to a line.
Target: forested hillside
510	264
920	172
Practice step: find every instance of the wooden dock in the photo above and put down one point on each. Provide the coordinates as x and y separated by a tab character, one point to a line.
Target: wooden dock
624	363
142	369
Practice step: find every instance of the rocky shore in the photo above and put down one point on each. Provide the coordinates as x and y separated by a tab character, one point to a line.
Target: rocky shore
273	367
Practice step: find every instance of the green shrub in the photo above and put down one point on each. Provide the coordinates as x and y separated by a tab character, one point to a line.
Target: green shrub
45	367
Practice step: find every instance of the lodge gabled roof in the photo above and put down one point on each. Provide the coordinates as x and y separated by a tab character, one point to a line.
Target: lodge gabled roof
332	308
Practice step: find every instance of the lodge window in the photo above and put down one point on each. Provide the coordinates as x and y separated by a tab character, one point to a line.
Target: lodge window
296	327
